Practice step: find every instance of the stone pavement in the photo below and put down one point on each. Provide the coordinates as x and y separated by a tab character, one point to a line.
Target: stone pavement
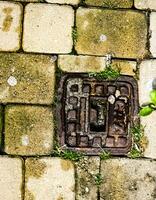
41	41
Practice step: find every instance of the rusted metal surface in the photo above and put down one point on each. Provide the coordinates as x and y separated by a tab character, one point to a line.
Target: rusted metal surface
96	115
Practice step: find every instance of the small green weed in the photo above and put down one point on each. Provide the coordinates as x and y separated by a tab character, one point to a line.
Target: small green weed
105	155
67	154
74	34
98	179
137	132
135	152
139	141
109	73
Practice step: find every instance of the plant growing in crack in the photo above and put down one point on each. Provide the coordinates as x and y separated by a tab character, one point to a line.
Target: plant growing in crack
105	155
98	179
139	141
74	34
79	160
109	73
67	154
148	108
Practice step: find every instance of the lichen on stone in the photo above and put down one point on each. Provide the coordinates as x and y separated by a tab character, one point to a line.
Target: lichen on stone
33	122
126	32
111	3
35	168
33	73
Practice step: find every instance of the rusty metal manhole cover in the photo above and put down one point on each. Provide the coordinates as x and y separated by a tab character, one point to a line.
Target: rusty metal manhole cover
96	114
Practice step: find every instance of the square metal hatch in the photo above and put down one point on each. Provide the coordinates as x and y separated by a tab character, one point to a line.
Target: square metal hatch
95	115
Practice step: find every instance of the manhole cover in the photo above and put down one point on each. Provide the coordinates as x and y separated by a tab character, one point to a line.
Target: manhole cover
96	114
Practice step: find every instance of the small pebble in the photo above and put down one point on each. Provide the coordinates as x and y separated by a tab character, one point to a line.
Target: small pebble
12	81
87	189
111	99
25	140
103	38
117	93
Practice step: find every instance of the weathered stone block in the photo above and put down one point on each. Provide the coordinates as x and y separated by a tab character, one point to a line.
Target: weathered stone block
149	124
110	3
145	4
87	170
26	78
28	130
72	2
49	178
48	28
121	33
147	75
10	178
10	26
71	63
153	33
126	67
128	179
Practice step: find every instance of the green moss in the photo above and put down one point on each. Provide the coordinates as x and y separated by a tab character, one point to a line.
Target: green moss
109	73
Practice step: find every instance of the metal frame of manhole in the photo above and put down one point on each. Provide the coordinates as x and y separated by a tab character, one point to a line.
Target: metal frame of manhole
95	115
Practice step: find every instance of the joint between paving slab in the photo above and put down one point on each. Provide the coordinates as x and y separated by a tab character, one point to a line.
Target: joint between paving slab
28	104
23	179
22	27
74	31
98	187
148	34
76	181
3	127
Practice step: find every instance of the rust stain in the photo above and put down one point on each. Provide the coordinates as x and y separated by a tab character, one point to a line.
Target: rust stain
8	19
66	165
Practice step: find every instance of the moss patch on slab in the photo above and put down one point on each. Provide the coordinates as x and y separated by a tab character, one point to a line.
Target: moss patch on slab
119	33
35	168
111	3
28	130
34	75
